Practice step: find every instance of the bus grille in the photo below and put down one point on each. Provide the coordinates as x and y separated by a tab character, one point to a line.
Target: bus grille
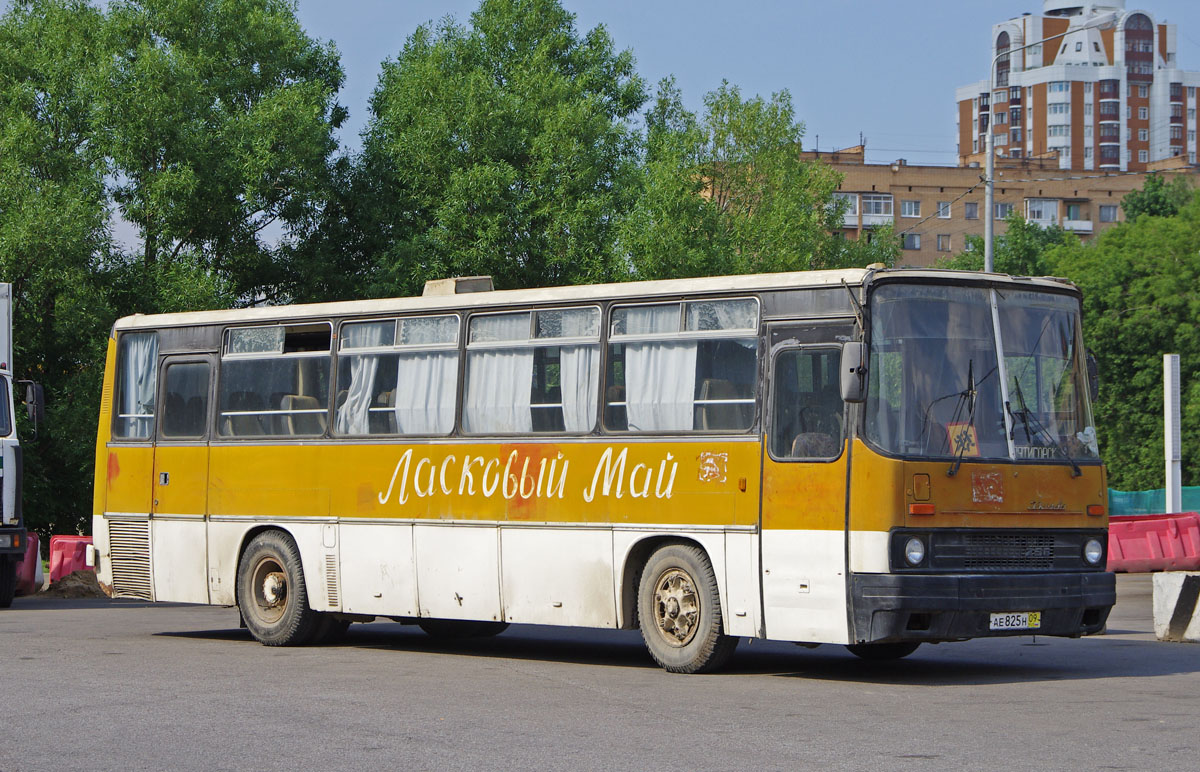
1019	551
129	546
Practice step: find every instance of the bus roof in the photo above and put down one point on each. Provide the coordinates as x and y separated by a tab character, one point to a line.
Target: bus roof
564	294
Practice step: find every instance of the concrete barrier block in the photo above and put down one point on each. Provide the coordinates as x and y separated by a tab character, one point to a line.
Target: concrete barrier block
1176	607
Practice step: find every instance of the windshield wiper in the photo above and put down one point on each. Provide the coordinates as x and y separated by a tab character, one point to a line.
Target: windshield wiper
1029	419
963	440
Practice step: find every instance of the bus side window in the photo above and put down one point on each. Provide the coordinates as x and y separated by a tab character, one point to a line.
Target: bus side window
137	370
807	405
682	367
274	381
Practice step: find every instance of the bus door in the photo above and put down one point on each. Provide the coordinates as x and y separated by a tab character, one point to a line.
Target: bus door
180	484
805	457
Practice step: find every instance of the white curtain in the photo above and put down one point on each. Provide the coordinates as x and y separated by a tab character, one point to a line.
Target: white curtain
141	356
500	381
579	371
354	415
660	376
425	391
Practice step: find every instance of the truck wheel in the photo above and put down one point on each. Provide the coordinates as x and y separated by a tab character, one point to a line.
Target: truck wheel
271	594
449	629
679	611
8	581
879	652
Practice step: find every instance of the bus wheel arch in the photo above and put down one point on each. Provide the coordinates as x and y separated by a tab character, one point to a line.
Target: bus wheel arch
679	609
270	589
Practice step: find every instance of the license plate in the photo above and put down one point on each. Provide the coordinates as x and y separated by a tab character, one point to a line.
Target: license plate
1018	620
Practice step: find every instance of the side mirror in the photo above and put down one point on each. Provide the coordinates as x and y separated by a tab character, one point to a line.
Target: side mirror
1093	376
854	372
35	402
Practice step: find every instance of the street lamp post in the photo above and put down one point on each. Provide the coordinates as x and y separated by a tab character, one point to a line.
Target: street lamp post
989	225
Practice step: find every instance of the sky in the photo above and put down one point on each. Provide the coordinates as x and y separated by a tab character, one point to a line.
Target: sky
884	68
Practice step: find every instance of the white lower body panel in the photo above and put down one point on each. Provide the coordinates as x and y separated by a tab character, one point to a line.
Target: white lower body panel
804	586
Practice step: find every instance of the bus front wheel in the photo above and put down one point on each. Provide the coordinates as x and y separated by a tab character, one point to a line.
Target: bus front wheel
679	611
271	594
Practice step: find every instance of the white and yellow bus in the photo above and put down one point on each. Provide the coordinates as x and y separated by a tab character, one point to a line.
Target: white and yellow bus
872	457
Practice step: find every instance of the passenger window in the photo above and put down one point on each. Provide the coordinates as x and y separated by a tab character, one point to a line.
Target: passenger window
274	381
137	369
533	371
807	405
682	367
185	400
398	376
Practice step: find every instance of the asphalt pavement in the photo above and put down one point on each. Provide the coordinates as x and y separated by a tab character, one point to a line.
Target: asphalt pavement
123	685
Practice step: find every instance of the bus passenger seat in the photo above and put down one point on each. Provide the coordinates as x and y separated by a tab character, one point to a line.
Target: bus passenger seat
815	445
302	423
721	416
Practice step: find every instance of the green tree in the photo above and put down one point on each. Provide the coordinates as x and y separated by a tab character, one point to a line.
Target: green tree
218	121
54	244
1140	282
1157	198
498	148
729	193
1021	251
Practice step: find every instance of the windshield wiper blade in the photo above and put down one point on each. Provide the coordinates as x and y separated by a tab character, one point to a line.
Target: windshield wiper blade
1029	419
962	440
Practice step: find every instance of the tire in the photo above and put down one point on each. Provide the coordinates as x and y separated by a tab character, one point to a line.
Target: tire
880	652
271	593
679	611
8	581
454	629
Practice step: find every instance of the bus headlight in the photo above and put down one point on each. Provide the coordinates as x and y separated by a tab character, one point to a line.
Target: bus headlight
914	551
1093	550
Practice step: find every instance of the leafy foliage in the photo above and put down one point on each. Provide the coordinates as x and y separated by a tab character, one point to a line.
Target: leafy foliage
1157	198
1021	251
1140	283
728	193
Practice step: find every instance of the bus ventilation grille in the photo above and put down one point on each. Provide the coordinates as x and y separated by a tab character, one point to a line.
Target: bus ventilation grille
129	545
331	583
1009	551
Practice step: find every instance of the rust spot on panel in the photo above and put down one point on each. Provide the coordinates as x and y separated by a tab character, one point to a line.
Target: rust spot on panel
114	467
987	487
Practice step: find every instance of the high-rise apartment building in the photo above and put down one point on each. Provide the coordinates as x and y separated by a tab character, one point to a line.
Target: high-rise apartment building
1092	84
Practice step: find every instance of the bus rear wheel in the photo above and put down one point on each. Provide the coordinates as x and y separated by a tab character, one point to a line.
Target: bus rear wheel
879	652
271	593
450	629
679	611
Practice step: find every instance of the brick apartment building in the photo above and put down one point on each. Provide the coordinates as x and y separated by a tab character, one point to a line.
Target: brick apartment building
1108	94
934	208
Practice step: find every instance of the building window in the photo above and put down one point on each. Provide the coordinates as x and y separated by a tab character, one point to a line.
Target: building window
1087	108
943	242
1087	87
971	210
1143	135
1002	138
1059	86
1041	209
1058	108
1003	210
1087	131
1143	91
1001	117
1176	111
910	208
1016	134
1096	46
877	204
1014	153
1014	115
1143	156
1191	113
912	240
1058	130
1087	154
974	146
1073	212
943	209
1191	135
1192	156
1014	93
1108	213
851	200
1176	132
1143	113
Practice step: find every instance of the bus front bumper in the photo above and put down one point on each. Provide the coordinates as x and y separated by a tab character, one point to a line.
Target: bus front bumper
944	607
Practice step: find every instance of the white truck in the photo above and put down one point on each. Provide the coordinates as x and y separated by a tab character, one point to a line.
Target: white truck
12	526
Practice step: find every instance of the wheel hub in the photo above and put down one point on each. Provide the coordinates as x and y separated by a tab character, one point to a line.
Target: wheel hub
274	588
676	607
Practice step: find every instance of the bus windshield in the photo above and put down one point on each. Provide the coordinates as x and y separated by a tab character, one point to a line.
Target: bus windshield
938	388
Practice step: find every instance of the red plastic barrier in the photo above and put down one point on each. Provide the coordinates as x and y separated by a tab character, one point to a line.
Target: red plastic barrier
67	555
1145	543
27	583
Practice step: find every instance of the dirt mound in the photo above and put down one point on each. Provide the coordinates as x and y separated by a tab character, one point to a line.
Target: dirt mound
80	584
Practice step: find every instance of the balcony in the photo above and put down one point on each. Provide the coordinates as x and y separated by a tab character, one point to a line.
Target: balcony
876	220
1077	226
